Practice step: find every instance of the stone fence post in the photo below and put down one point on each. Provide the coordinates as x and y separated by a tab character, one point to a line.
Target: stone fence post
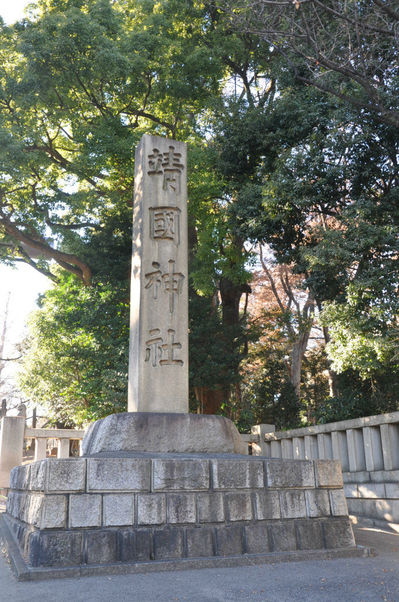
12	429
259	430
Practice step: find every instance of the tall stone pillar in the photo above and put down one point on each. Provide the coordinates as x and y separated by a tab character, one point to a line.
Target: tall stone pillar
158	354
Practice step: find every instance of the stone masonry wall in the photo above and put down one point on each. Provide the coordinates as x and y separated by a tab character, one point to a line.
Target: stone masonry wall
101	510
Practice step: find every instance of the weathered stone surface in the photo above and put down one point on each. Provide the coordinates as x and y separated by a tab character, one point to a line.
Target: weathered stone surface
200	542
181	508
292	504
134	545
229	540
351	490
267	505
12	429
180	474
237	474
289	473
338	533
123	474
371	490
309	535
85	510
32	508
210	507
151	508
37	475
361	476
158	350
392	490
238	506
126	542
163	432
68	474
317	503
118	509
101	546
282	536
379	476
257	539
55	548
328	473
19	477
338	503
54	512
168	543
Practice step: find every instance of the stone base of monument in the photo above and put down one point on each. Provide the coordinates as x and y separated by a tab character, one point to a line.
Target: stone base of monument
124	511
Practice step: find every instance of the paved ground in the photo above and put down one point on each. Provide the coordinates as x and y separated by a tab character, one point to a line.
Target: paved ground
347	580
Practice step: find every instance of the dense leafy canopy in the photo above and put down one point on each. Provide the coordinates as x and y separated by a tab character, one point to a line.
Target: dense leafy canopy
276	160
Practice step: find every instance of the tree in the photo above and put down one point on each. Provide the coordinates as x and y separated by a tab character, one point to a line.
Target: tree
347	49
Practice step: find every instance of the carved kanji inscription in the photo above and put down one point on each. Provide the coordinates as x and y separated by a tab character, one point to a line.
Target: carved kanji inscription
160	351
169	165
165	223
170	282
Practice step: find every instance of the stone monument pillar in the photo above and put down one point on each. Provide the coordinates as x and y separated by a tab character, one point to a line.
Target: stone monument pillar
158	355
157	486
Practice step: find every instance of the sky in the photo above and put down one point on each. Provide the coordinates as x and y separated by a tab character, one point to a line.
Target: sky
12	10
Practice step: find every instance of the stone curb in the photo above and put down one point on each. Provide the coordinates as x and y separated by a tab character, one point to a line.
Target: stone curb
24	573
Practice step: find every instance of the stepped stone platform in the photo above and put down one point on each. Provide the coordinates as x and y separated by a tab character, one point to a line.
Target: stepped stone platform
150	509
117	509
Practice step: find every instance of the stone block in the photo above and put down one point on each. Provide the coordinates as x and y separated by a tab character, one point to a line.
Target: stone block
384	476
118	509
54	512
338	534
317	503
200	542
210	507
33	508
237	474
19	477
292	504
68	474
184	474
85	510
118	474
328	473
289	473
181	508
338	503
238	506
371	490
350	490
267	505
168	543
229	540
282	536
55	548
162	432
361	476
134	545
257	539
101	546
357	459
37	475
151	508
392	490
309	535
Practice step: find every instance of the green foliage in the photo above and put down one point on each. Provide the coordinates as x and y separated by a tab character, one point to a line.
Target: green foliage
76	357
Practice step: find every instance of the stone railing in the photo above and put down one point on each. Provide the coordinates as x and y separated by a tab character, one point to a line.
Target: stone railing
368	449
13	433
64	437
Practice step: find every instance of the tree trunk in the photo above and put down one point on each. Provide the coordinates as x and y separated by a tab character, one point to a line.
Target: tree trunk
332	376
